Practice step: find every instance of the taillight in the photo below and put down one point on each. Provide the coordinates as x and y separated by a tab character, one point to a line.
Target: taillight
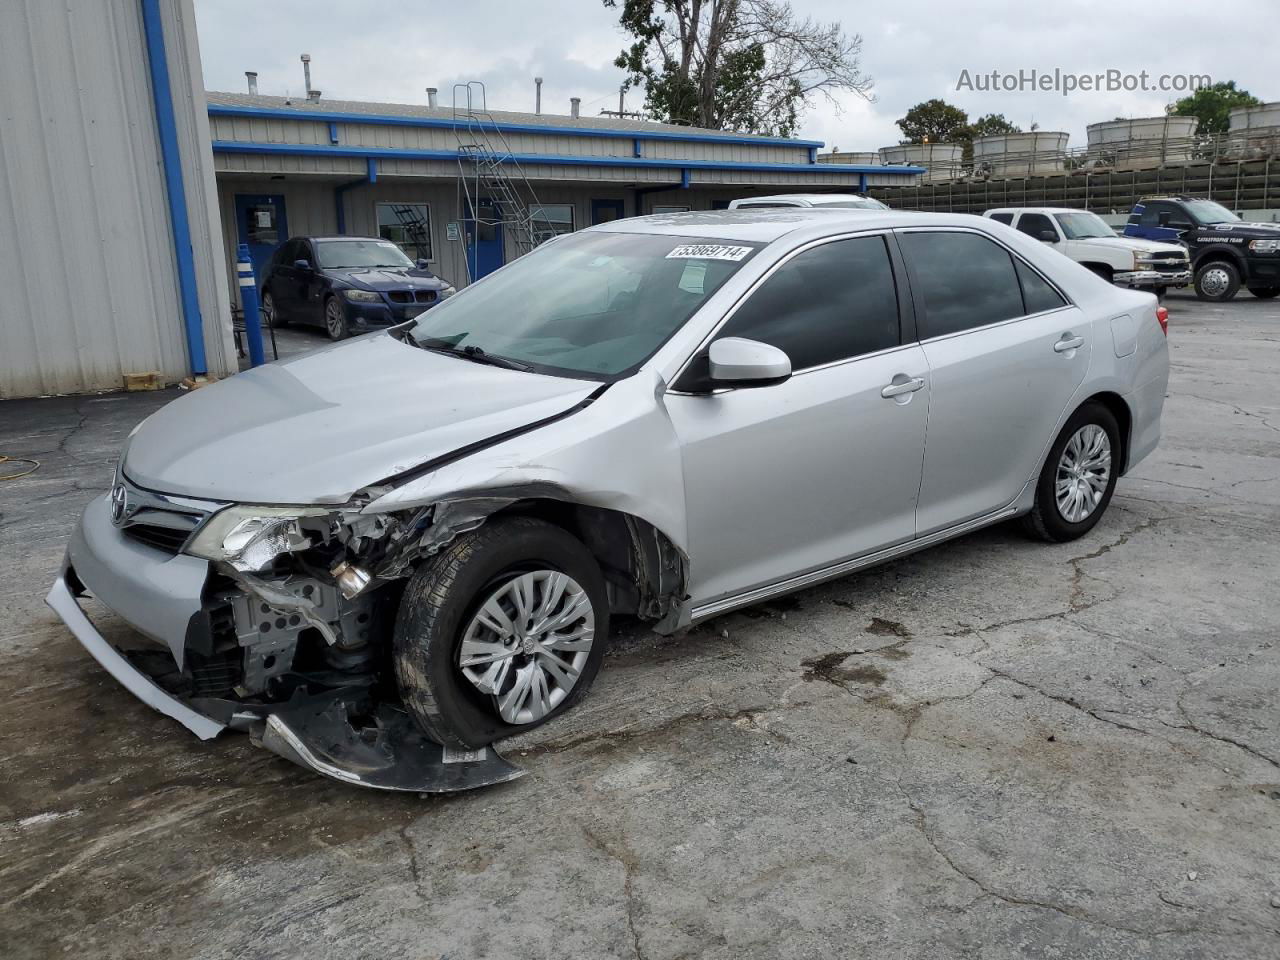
1162	316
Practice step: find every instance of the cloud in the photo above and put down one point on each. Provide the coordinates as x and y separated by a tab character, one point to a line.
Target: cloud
392	50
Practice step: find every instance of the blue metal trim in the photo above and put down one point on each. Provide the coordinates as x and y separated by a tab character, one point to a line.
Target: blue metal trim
862	183
333	132
813	154
684	179
309	149
226	110
373	170
636	149
175	190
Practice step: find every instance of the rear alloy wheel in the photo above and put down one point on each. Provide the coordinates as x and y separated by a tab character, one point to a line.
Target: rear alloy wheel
1078	477
500	631
335	319
270	317
1264	293
1217	281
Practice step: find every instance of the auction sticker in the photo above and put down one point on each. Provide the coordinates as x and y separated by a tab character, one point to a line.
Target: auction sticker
707	251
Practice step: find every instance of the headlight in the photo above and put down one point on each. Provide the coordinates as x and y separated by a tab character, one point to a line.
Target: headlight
1264	246
363	296
249	537
448	291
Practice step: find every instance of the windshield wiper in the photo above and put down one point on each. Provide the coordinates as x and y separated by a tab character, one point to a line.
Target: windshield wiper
476	355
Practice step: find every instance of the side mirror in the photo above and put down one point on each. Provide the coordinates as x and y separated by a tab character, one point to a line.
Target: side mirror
1048	236
738	362
302	264
421	264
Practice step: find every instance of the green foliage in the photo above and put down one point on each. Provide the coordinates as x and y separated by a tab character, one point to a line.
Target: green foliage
934	121
993	124
749	65
1212	105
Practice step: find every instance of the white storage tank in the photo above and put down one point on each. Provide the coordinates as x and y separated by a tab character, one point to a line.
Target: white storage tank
1020	154
942	161
1141	142
1255	131
861	157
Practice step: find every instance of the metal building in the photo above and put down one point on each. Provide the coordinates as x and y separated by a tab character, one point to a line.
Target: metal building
108	219
310	166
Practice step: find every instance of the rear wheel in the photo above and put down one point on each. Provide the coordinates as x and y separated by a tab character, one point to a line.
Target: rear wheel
499	632
270	315
1217	281
335	319
1264	293
1078	477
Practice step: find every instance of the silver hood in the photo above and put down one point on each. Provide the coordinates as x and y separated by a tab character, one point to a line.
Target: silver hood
318	428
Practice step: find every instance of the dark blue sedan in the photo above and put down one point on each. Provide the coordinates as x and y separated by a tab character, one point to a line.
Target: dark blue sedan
347	285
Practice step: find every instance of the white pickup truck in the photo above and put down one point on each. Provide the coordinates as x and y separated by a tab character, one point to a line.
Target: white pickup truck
1086	239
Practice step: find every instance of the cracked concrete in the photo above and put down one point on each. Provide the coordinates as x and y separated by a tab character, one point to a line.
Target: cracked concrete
993	749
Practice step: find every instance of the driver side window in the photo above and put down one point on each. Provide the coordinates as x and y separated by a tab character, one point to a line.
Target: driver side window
829	303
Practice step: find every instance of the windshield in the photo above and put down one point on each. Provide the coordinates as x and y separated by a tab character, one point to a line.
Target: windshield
1083	226
343	254
1206	211
588	304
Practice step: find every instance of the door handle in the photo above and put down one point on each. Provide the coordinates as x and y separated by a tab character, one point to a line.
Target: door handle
1068	342
898	389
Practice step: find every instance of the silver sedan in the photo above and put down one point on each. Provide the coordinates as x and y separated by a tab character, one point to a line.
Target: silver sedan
381	557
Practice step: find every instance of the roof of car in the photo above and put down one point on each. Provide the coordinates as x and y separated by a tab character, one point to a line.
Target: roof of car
767	224
1033	210
804	198
344	236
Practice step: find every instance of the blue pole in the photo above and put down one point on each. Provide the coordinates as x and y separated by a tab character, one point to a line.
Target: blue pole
171	160
249	301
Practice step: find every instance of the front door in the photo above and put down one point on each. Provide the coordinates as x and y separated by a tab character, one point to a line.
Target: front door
606	211
786	479
1006	353
261	223
485	252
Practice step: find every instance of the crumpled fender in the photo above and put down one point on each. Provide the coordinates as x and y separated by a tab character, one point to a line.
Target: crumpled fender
619	452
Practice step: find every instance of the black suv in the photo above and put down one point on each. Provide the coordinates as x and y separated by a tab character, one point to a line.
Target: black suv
1225	250
347	284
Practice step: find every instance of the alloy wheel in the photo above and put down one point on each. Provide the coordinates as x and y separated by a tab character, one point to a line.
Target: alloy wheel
334	322
527	644
268	310
1084	471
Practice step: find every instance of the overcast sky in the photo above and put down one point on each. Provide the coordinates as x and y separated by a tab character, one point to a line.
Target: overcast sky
392	49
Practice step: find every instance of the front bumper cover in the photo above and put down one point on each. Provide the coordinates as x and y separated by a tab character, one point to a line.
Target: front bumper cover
1152	278
159	598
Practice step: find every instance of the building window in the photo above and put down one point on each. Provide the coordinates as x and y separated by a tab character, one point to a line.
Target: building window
670	208
407	225
550	220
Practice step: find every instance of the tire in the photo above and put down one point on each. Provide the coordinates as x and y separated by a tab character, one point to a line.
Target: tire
335	319
1160	292
1048	520
1217	281
441	606
1264	293
270	316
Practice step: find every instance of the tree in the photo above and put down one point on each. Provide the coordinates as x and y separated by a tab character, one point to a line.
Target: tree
935	121
749	65
993	124
1212	105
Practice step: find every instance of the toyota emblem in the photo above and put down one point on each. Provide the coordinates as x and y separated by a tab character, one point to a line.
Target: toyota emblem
119	503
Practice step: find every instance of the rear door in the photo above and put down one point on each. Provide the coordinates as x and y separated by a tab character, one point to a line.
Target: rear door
1006	353
790	478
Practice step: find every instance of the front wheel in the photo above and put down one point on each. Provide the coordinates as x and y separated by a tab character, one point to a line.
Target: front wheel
1078	477
499	632
335	319
1264	293
1217	281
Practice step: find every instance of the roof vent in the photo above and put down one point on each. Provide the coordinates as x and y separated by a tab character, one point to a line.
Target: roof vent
431	96
252	77
537	96
575	106
313	96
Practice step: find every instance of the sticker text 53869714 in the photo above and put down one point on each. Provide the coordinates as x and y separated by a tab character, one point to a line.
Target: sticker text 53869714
707	251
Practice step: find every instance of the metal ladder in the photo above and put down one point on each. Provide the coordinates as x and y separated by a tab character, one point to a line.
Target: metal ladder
488	171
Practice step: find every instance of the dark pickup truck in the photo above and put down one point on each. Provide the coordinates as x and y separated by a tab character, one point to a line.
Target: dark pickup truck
1226	252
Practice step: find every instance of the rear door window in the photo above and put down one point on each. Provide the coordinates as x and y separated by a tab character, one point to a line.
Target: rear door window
963	279
1037	294
829	303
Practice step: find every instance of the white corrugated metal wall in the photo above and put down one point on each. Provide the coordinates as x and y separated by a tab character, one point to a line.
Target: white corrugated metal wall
86	249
